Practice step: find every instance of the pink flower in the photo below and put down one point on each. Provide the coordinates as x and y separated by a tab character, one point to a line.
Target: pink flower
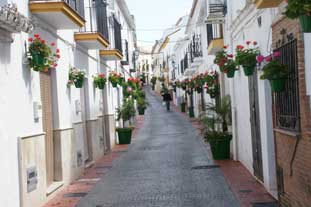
53	44
129	89
43	41
248	42
57	50
255	43
230	56
225	47
260	58
276	54
268	58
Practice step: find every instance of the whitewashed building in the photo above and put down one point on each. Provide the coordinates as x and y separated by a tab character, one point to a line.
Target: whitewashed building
50	132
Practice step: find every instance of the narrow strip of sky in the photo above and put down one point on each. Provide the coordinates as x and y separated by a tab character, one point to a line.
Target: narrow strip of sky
154	15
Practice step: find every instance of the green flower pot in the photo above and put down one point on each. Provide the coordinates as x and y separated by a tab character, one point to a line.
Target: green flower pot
231	73
125	135
248	70
221	148
305	22
38	59
153	87
183	107
79	83
114	84
278	85
191	112
100	85
141	111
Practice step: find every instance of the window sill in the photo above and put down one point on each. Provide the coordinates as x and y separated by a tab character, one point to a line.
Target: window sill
288	133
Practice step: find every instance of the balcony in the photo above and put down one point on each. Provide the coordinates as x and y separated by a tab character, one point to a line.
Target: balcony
216	12
116	52
95	34
263	4
61	14
215	38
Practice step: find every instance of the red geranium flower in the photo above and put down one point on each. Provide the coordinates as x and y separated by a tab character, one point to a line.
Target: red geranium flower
30	39
248	42
53	44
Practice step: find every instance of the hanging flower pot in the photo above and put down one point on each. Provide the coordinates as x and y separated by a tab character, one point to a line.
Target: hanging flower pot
305	22
38	59
76	77
79	83
231	73
100	81
278	85
248	70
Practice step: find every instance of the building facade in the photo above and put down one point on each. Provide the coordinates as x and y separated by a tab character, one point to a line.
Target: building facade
52	131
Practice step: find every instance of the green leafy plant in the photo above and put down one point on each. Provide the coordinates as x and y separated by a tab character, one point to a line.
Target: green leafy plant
100	80
127	111
116	79
142	103
41	56
225	61
76	77
274	70
297	8
246	57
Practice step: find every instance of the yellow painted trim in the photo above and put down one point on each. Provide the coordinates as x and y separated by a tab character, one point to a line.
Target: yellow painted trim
86	36
217	44
112	52
167	40
40	7
263	4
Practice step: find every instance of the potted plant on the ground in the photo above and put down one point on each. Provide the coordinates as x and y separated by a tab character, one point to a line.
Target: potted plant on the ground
125	113
100	81
225	62
76	77
142	104
115	79
275	72
246	57
216	121
41	56
300	9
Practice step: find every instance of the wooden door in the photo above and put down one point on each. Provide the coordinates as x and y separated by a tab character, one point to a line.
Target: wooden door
255	126
47	122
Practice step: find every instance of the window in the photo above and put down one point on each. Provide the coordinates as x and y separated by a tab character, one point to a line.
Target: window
286	103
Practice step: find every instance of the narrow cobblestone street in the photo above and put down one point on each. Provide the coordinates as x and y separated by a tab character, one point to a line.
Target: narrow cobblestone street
162	168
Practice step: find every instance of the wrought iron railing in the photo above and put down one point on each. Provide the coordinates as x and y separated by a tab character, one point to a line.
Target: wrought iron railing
286	103
195	47
77	5
98	21
117	34
186	61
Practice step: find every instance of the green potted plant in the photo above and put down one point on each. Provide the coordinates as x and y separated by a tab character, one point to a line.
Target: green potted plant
246	57
125	113
212	86
41	56
76	77
275	72
142	104
100	81
216	120
115	79
300	9
225	62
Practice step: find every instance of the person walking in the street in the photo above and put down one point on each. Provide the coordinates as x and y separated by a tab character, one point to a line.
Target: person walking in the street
167	98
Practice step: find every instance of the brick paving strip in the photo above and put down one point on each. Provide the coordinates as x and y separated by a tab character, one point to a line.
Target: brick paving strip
73	193
248	191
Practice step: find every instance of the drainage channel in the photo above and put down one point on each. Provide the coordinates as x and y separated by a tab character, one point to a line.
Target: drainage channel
205	167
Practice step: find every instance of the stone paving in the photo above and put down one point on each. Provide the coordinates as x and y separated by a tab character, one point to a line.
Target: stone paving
168	165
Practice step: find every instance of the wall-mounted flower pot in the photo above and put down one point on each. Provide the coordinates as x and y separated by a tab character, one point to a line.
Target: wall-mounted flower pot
125	135
100	85
114	84
230	73
38	59
191	112
221	148
248	71
79	83
305	22
278	85
141	111
183	107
